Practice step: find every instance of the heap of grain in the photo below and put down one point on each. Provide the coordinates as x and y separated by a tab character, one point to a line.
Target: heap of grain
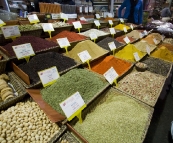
95	31
121	39
168	40
142	46
136	34
167	45
153	38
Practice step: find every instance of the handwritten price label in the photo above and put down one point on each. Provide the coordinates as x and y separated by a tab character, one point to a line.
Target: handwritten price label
111	75
84	56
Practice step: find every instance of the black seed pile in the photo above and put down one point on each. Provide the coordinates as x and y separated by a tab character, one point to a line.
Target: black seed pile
104	43
44	61
157	66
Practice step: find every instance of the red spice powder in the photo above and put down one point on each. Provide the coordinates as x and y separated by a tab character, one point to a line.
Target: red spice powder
71	36
102	65
121	39
81	21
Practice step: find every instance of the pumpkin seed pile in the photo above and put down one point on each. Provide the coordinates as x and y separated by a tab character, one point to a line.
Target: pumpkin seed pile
85	82
119	119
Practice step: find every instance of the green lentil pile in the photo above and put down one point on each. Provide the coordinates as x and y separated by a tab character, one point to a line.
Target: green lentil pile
120	119
141	46
85	82
157	66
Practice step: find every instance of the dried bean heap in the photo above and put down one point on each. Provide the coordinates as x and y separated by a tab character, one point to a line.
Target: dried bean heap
44	61
104	43
25	122
119	119
144	86
87	83
157	66
37	44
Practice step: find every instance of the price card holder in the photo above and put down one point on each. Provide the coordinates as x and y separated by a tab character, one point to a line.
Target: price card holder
148	50
110	23
63	43
112	31
48	76
83	19
93	36
85	57
73	106
111	76
11	32
131	26
48	27
121	20
155	41
77	25
23	51
126	39
64	16
136	56
97	16
2	23
55	15
112	47
97	23
125	30
33	18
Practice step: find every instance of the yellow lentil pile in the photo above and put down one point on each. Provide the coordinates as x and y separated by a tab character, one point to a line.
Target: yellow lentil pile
121	27
127	53
141	46
119	119
93	49
163	53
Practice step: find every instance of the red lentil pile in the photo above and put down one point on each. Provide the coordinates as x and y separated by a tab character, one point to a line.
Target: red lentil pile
121	39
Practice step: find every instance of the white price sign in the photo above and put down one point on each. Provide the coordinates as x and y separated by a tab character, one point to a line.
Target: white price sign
148	50
84	56
110	75
72	104
77	24
97	16
90	9
97	23
125	29
112	31
33	18
10	31
63	42
163	37
131	26
126	39
63	16
2	23
110	22
24	50
48	76
110	15
136	56
145	32
155	41
93	36
112	46
80	9
140	35
47	27
121	20
86	9
83	19
55	15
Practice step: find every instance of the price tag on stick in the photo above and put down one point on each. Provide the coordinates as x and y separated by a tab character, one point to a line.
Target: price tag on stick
97	23
111	75
93	36
121	20
136	56
48	76
97	16
148	50
126	39
110	22
155	41
73	106
112	47
63	43
48	27
85	57
112	31
23	51
125	29
2	23
131	26
33	18
77	25
64	16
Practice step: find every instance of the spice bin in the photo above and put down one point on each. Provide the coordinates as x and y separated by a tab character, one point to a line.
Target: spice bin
117	98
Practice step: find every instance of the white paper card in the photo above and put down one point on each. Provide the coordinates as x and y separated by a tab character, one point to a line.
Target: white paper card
121	20
97	23
155	41
148	50
110	75
33	18
55	15
83	19
140	35
97	16
90	9
63	42
112	46
49	75
112	31
1	22
145	32
80	9
63	16
86	9
136	56
84	56
93	36
110	15
47	27
10	31
131	26
126	39
77	24
110	22
125	29
163	37
72	104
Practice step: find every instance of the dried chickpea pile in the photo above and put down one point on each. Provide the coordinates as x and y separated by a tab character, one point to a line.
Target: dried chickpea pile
26	123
